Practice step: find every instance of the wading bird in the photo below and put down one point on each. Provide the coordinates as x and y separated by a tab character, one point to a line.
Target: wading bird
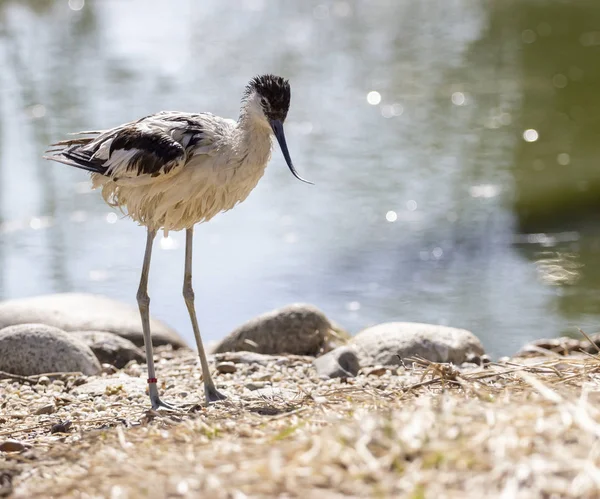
172	170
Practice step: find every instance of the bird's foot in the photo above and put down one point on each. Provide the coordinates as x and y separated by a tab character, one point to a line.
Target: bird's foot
213	395
157	403
155	400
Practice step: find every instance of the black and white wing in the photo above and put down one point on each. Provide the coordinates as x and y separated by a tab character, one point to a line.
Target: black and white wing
154	146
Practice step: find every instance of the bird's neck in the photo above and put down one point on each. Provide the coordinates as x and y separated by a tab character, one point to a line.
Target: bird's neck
253	135
252	121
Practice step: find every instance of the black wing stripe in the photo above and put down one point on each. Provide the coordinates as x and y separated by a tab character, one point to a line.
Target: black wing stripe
84	160
156	151
154	145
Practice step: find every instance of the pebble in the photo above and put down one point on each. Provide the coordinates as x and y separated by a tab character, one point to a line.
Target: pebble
100	406
378	371
226	367
46	409
341	362
12	446
44	380
109	369
62	427
134	370
255	386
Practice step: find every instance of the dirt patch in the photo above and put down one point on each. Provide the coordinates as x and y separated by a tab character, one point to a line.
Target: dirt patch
423	430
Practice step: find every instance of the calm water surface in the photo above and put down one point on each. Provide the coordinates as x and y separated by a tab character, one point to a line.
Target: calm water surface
440	135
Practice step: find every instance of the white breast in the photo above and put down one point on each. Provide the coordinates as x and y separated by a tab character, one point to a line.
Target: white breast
206	185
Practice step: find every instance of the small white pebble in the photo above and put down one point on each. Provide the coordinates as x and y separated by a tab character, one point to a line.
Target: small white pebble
100	406
134	370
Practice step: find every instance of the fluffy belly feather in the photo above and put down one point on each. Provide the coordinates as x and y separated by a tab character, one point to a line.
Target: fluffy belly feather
182	200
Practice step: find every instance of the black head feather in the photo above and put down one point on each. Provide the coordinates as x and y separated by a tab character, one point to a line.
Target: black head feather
275	95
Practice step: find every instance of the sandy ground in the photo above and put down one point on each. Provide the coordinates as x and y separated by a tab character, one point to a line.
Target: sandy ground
425	430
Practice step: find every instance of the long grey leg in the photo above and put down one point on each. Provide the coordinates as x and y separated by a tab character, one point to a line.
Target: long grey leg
210	390
144	303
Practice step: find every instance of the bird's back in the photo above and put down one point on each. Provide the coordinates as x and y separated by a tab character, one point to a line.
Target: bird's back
170	170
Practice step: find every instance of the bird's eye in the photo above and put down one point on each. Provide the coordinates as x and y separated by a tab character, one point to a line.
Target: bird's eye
263	101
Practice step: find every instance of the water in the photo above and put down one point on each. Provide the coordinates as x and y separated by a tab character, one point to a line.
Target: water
410	117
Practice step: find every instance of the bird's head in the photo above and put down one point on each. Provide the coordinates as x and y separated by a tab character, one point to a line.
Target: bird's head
266	103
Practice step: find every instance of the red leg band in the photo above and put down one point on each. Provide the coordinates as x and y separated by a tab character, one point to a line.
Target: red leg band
152	380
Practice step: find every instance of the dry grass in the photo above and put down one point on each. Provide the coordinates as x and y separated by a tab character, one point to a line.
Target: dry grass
508	431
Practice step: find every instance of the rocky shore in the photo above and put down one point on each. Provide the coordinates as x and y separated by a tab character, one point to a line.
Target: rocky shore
400	409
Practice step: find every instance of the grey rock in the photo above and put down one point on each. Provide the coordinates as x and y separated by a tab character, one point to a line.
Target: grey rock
85	312
553	347
298	329
110	348
341	362
392	342
29	349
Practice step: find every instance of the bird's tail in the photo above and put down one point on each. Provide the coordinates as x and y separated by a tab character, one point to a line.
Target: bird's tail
62	145
69	151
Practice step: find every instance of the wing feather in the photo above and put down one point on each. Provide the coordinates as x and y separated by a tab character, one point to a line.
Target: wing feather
134	150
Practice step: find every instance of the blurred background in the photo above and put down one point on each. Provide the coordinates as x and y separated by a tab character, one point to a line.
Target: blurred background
454	144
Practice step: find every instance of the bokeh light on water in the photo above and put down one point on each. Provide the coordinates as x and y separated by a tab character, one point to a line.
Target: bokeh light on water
454	147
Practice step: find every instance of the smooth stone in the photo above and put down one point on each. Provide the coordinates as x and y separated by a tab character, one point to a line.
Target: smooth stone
341	362
298	329
109	369
377	371
110	348
252	386
12	446
46	409
556	346
62	427
30	349
86	312
226	367
393	342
